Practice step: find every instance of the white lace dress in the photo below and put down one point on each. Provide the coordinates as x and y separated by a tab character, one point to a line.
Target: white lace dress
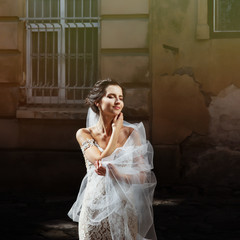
95	191
109	208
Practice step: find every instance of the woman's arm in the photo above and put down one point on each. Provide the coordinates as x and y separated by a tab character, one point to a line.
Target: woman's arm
127	178
93	154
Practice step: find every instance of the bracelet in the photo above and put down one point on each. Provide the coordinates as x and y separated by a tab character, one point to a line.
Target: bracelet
87	144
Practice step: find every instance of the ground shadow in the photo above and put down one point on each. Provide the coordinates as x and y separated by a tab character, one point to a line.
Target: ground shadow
34	217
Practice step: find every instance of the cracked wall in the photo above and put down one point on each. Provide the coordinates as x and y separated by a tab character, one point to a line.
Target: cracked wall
182	109
224	110
211	65
195	97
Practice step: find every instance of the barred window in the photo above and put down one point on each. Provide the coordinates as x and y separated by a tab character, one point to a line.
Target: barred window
62	50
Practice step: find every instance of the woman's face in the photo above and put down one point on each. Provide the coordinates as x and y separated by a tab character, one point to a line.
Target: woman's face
112	101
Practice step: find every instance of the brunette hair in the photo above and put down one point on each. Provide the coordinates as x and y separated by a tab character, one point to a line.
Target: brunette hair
98	91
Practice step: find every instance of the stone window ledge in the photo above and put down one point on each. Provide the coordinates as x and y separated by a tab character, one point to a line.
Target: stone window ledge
51	113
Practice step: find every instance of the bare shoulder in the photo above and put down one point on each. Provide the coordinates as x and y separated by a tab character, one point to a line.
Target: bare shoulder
136	135
127	131
83	134
82	131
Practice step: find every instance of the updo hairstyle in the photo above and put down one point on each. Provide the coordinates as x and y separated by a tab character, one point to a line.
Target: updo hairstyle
98	91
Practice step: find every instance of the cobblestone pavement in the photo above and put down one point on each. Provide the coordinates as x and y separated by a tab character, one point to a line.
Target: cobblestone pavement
176	218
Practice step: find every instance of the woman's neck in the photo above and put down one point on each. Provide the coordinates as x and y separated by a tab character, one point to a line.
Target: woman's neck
104	125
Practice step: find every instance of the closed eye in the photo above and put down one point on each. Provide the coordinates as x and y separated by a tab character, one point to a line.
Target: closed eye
113	96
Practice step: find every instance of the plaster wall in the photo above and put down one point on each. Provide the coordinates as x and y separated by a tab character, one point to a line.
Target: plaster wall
124	7
11	55
195	96
126	68
211	63
12	8
9	37
119	33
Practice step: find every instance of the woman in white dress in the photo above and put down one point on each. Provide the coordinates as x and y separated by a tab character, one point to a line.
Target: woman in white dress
115	197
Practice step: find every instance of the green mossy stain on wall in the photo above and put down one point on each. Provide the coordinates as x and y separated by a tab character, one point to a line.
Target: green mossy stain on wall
169	14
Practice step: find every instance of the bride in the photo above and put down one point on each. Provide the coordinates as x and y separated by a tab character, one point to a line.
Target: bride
115	197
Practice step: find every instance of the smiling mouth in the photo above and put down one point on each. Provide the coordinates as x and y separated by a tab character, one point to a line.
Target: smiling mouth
117	108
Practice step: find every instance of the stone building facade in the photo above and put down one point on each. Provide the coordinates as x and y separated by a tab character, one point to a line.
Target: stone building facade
181	80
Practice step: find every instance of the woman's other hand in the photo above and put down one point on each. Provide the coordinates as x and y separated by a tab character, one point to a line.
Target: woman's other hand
114	173
99	169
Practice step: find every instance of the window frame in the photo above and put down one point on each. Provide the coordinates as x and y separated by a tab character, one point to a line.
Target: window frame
62	82
211	20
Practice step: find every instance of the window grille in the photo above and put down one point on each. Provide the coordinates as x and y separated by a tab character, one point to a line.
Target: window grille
62	50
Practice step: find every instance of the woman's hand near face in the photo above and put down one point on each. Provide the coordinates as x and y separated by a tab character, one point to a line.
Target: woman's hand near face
118	121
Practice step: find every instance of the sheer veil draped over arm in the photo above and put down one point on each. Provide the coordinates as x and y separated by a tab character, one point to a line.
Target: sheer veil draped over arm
129	186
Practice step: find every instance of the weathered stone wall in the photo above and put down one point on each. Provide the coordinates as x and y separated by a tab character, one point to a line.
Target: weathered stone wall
225	117
11	54
195	98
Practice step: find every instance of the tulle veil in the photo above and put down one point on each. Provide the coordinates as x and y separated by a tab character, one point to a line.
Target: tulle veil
135	160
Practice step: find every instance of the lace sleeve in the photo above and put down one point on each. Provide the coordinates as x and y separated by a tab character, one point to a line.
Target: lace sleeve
87	144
